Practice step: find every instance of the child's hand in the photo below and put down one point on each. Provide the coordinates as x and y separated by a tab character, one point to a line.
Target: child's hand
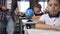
35	18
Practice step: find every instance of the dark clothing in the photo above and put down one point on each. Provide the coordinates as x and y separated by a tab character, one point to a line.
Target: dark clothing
3	21
2	27
2	15
58	14
39	14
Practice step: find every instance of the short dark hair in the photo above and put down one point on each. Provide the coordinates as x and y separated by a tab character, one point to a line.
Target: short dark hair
38	5
51	0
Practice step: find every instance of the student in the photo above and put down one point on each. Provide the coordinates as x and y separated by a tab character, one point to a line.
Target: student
37	12
50	21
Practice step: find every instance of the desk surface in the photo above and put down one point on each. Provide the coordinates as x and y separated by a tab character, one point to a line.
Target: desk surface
25	22
37	31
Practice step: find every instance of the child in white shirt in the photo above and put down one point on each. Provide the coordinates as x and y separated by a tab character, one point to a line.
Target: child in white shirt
51	20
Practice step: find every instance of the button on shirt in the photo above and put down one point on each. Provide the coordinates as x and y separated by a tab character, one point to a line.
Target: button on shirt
55	21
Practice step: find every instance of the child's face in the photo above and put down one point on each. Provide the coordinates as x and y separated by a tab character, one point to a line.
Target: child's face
53	6
37	10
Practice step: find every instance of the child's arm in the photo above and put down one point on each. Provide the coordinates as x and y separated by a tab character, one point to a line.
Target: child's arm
35	18
41	25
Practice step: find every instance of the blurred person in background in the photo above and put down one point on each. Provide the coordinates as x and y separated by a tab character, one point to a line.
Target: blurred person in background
6	21
37	12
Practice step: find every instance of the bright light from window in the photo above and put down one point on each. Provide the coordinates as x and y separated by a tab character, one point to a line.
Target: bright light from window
23	6
43	4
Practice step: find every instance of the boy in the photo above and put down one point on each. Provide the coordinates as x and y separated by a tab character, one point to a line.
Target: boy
50	21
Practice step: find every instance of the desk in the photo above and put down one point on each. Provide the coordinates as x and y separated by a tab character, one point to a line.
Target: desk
37	31
25	22
25	26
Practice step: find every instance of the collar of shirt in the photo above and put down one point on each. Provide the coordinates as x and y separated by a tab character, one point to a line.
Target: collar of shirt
53	16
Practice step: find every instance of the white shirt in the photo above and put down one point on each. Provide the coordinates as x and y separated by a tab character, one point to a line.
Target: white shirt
50	21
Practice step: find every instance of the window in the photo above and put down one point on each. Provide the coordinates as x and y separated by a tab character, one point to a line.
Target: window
43	4
23	5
